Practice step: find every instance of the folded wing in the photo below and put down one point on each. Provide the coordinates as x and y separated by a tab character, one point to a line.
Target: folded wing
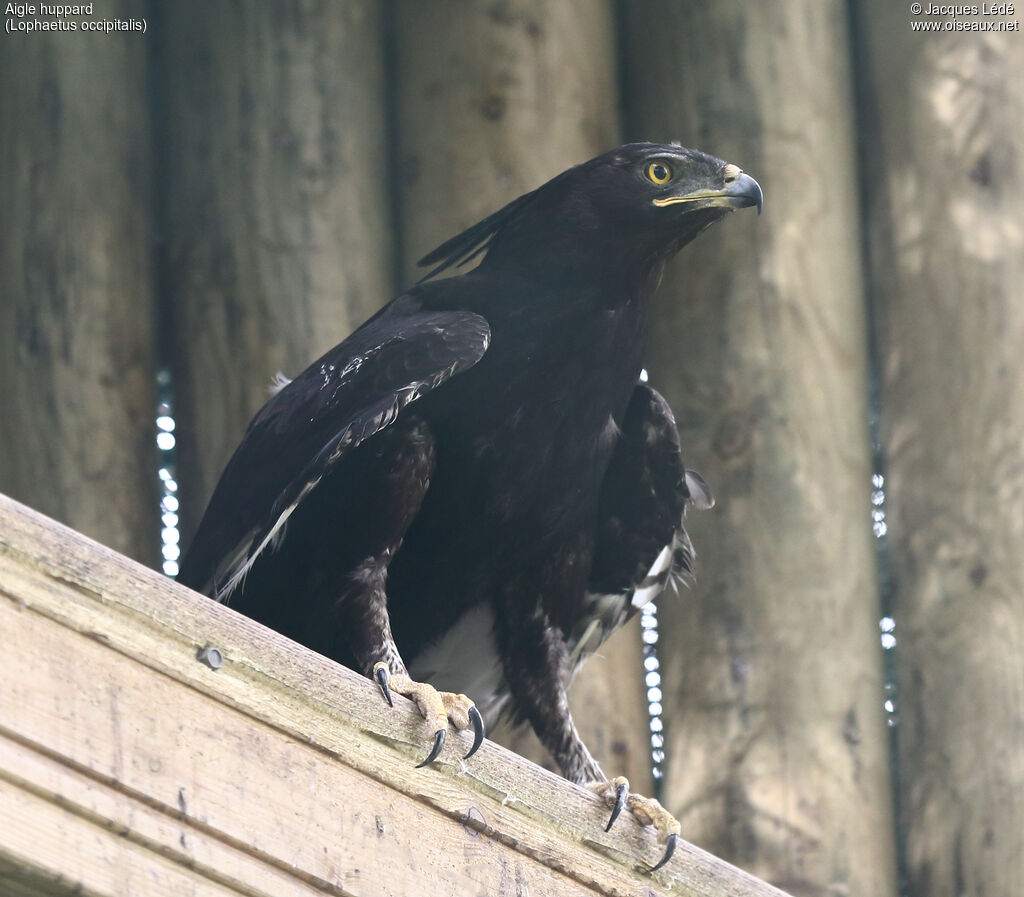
354	391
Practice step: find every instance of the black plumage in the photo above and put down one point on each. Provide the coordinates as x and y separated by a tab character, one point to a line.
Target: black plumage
474	487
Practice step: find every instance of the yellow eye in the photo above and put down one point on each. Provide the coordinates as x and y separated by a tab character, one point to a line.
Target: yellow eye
658	173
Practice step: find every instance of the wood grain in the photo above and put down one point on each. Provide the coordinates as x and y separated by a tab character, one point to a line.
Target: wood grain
129	760
76	294
275	205
772	671
944	186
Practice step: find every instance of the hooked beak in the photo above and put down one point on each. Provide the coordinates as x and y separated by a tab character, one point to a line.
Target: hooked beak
739	192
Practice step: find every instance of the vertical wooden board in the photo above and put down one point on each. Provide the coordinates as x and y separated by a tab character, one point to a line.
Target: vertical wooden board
493	99
275	196
944	187
776	742
76	357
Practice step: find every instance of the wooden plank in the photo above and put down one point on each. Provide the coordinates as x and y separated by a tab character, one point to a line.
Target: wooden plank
278	772
74	854
78	311
945	265
241	802
275	216
778	750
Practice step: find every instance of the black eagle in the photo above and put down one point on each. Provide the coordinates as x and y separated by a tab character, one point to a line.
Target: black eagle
474	489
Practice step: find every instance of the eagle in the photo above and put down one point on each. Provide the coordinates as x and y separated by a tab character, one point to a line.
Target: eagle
472	491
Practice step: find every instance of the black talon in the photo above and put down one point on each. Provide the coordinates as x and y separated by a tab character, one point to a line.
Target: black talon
621	793
439	737
478	730
670	849
381	675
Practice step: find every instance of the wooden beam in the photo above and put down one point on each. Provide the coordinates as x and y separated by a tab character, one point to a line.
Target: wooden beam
127	765
941	117
777	749
77	353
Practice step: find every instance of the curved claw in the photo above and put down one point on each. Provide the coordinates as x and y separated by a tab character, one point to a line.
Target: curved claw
670	848
621	794
478	730
380	673
439	737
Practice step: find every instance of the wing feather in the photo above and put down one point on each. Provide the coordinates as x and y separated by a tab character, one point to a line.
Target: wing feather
355	390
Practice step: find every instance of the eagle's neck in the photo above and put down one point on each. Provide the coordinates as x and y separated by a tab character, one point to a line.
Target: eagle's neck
611	275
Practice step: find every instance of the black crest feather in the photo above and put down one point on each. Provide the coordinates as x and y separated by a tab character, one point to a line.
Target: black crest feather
463	248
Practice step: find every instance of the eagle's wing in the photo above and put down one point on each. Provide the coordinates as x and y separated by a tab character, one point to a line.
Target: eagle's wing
640	546
641	543
355	390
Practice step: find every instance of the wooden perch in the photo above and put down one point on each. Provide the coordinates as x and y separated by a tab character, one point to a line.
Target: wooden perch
130	766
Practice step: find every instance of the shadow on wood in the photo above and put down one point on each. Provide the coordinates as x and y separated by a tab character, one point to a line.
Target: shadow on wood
129	766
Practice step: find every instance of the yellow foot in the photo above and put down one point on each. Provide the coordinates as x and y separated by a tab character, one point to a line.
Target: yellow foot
438	708
646	810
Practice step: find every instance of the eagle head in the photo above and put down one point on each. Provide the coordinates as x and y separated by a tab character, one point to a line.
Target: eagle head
640	202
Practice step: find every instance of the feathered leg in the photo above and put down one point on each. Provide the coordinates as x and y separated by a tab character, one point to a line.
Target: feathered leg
396	475
640	546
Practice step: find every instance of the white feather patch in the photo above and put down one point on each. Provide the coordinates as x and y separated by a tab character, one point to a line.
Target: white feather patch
272	538
277	383
653	583
465	659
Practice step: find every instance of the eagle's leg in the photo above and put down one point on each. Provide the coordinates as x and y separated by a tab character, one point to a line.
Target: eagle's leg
538	689
369	632
392	475
646	810
438	708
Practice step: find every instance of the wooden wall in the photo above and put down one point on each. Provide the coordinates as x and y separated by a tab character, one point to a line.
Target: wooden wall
234	190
